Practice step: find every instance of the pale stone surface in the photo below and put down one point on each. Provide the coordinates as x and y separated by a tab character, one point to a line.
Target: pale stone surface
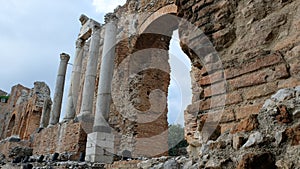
75	82
253	139
106	75
59	89
100	147
90	76
45	113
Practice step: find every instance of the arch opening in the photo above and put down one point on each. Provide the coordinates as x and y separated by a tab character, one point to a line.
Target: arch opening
11	126
159	48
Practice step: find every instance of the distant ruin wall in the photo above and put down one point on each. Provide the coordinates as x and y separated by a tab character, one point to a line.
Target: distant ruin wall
67	138
21	115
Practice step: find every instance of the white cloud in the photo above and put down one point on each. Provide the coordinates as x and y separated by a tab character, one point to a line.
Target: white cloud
105	6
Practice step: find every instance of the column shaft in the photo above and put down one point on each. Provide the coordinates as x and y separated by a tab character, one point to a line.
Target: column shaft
45	113
90	76
59	89
75	82
106	75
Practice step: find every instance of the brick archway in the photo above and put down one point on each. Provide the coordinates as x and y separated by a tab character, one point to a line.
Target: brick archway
151	59
11	125
169	9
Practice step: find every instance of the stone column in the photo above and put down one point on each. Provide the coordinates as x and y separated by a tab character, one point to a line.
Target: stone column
90	77
45	113
75	82
59	89
100	143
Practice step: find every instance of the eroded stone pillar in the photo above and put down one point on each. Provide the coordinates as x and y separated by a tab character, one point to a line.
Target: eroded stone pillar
59	89
75	82
100	143
90	75
45	113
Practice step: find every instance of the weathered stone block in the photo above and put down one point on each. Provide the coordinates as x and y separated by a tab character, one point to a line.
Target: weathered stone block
100	147
246	110
248	124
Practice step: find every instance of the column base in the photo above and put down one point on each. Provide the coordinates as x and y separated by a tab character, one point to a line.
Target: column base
86	120
100	147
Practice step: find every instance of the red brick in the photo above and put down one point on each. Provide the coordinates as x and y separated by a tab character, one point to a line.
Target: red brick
280	72
198	6
248	124
260	91
227	127
254	65
246	110
213	66
221	100
287	83
295	66
212	78
223	116
256	78
215	89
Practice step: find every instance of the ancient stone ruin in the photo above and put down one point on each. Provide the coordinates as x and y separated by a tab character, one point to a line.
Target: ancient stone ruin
244	113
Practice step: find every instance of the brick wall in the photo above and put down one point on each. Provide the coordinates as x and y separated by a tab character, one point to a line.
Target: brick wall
258	48
66	137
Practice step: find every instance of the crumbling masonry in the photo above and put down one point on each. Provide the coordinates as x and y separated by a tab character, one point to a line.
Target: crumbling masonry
241	52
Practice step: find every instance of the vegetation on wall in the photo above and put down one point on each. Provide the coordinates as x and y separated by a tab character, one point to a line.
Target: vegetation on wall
177	143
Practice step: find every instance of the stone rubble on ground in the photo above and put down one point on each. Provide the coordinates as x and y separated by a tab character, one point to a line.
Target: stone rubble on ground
274	143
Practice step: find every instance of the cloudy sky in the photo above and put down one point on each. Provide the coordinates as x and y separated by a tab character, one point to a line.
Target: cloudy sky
34	32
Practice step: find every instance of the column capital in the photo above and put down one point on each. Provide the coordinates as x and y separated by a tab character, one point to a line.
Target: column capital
110	17
96	29
79	43
64	56
83	19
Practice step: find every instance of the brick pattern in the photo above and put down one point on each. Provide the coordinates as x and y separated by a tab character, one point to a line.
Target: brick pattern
68	137
253	63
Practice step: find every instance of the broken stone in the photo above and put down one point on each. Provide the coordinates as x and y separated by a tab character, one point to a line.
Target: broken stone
296	113
254	139
188	165
40	159
297	92
283	94
172	164
27	166
237	141
205	148
293	134
145	164
82	157
281	164
246	125
283	116
225	139
26	159
14	139
254	161
17	160
20	152
55	157
158	166
213	163
279	137
268	105
2	159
